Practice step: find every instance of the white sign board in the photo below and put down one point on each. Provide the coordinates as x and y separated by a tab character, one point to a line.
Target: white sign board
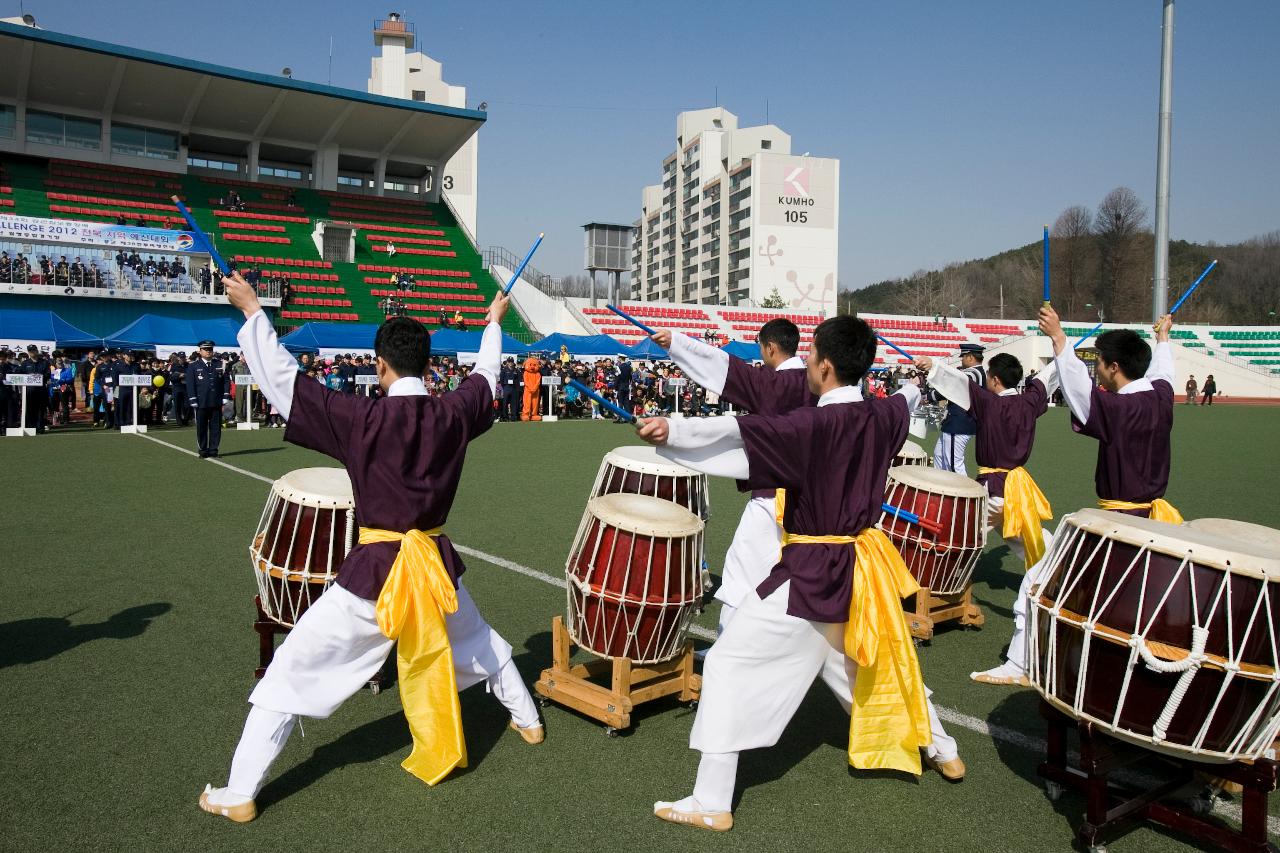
21	379
551	380
795	246
130	380
366	379
32	228
243	379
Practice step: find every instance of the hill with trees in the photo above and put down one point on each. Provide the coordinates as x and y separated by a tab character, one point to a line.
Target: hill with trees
1100	261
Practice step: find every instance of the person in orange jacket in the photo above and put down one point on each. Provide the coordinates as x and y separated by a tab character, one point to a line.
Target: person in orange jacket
532	389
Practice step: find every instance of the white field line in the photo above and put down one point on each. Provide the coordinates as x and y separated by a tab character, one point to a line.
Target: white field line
974	724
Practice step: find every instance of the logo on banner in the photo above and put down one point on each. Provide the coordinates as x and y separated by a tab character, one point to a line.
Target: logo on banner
185	242
795	181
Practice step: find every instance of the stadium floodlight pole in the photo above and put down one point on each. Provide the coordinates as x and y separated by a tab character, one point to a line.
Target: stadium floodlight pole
201	237
1160	289
523	264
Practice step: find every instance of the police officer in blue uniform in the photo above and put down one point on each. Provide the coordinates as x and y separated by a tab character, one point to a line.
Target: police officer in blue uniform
208	387
510	386
959	426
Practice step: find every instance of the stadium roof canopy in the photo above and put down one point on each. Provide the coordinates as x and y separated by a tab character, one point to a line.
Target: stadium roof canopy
49	70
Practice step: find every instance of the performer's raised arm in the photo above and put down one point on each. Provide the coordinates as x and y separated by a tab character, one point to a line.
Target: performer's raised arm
706	365
1077	387
1162	357
489	360
273	367
947	381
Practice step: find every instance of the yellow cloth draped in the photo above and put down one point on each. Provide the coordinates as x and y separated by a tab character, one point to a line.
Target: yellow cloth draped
889	723
1025	506
780	505
411	609
1157	510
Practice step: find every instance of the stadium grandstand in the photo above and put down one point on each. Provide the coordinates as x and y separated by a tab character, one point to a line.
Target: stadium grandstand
99	133
346	225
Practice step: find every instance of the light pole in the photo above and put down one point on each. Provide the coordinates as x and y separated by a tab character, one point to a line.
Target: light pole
956	308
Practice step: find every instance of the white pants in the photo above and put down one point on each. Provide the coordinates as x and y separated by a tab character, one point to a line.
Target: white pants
759	670
1034	577
948	453
752	554
333	651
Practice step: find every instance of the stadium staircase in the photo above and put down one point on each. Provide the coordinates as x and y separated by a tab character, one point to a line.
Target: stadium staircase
447	269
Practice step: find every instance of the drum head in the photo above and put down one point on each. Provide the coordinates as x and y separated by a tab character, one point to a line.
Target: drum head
328	488
645	460
1205	547
911	450
937	481
1268	538
645	515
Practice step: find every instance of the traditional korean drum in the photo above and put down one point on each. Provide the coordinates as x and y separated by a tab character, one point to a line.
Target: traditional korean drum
912	454
1267	538
635	578
306	530
639	470
942	548
1162	635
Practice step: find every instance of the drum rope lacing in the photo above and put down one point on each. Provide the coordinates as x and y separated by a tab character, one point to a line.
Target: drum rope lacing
1186	666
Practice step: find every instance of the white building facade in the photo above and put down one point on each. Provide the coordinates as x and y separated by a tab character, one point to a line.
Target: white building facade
736	216
397	73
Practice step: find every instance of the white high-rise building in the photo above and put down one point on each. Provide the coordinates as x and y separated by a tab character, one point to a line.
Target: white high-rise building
416	76
736	217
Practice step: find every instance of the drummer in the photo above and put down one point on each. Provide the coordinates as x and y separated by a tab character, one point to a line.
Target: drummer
1006	422
1132	418
781	387
833	461
404	454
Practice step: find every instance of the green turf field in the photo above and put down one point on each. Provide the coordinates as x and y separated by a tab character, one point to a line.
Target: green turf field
126	657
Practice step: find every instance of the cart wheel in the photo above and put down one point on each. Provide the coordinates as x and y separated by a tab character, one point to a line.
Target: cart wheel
692	705
1053	791
375	688
542	701
1097	848
610	731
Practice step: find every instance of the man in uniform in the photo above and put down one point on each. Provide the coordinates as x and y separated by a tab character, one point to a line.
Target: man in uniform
508	390
62	272
622	384
37	397
77	273
176	376
207	390
959	426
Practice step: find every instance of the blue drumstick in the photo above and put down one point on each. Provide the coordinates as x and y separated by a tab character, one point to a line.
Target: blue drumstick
1192	288
632	320
1087	335
523	264
201	237
910	518
587	392
891	345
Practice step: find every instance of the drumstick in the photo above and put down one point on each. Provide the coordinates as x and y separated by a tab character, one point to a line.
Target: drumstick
912	518
632	320
587	392
523	264
202	238
1046	265
1087	335
891	345
1192	288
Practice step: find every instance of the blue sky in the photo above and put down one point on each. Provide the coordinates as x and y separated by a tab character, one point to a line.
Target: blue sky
961	127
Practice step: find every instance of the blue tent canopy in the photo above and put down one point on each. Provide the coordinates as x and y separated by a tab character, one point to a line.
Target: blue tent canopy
313	337
648	350
152	330
452	342
599	345
743	350
25	325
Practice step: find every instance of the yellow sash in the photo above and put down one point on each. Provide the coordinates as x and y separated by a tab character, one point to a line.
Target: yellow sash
780	505
889	722
1157	510
1025	506
411	608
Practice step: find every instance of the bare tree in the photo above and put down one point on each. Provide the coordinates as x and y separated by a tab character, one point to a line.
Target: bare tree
1073	259
1120	220
918	294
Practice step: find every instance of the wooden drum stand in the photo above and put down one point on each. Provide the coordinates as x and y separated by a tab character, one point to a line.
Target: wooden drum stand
930	610
629	684
1109	805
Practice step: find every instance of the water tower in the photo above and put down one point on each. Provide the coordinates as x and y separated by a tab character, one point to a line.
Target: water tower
608	249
